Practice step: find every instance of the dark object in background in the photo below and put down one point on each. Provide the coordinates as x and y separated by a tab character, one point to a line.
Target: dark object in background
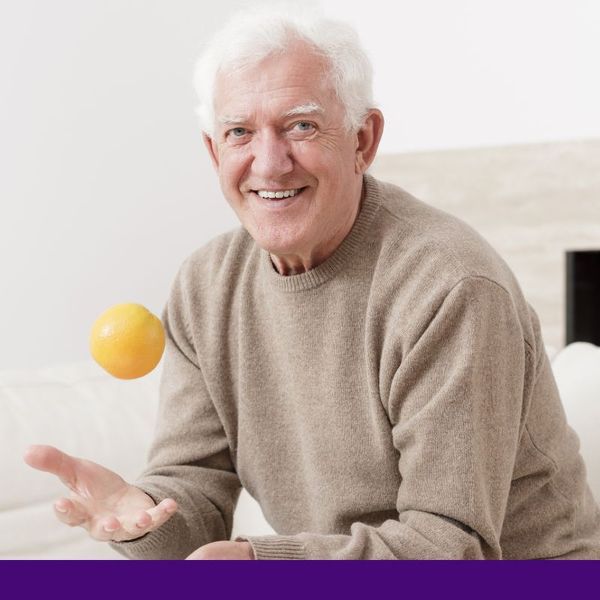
583	296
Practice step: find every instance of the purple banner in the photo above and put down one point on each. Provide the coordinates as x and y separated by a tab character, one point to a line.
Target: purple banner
175	580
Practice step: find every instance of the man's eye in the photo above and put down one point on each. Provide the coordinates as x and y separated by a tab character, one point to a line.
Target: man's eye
304	126
238	132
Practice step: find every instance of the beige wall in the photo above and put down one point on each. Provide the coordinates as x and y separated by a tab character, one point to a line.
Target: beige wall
531	202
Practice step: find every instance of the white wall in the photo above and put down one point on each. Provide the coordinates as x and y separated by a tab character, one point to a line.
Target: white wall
104	185
466	73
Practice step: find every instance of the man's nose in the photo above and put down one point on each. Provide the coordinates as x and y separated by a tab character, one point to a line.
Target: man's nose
272	157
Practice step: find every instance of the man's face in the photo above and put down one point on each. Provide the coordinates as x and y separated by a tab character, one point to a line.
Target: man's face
280	130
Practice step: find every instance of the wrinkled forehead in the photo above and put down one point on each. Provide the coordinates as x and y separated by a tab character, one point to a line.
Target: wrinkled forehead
283	84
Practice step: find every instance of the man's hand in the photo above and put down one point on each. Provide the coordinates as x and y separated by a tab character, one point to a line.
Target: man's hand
101	501
223	551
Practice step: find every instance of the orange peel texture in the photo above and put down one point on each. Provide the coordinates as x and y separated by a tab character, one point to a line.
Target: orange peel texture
127	341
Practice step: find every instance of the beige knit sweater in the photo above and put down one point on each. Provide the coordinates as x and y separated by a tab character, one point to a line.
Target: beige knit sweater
394	402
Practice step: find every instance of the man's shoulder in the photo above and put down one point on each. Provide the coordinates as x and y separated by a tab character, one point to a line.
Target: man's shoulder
431	242
426	252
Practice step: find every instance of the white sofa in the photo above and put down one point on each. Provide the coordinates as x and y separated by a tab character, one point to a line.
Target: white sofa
87	413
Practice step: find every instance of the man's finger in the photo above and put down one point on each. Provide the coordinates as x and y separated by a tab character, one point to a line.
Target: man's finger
70	512
107	529
139	523
143	520
154	517
52	460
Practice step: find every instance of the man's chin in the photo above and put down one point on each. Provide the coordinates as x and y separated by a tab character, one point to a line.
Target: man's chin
279	250
277	238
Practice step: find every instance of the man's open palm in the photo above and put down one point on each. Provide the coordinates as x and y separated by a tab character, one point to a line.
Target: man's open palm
101	501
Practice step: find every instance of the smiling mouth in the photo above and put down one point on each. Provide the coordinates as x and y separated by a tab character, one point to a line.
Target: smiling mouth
276	195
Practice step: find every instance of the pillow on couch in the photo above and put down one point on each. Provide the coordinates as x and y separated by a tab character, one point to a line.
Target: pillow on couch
577	372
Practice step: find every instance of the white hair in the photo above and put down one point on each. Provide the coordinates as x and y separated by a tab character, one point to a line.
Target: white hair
252	35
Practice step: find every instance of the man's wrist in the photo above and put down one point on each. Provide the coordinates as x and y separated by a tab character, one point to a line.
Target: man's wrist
250	550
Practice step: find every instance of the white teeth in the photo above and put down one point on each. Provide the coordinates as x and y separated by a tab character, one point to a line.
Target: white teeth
280	194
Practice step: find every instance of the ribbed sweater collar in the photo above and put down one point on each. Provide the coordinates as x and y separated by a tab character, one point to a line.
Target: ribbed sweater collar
349	248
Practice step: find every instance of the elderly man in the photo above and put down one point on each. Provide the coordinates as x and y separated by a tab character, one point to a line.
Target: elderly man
363	364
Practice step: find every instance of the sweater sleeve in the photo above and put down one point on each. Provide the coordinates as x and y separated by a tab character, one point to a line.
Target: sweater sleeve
456	406
189	459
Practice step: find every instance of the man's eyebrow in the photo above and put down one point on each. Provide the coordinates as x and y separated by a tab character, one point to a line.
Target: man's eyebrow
301	109
231	119
304	109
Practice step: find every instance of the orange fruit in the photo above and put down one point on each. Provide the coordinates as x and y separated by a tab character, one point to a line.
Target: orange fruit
127	340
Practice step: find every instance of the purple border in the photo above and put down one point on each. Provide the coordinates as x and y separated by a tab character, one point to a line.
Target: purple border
181	580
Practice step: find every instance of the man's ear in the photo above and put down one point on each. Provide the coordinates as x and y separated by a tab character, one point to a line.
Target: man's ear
213	150
368	137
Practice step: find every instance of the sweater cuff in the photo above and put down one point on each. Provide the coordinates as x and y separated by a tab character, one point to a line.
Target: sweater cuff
275	547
